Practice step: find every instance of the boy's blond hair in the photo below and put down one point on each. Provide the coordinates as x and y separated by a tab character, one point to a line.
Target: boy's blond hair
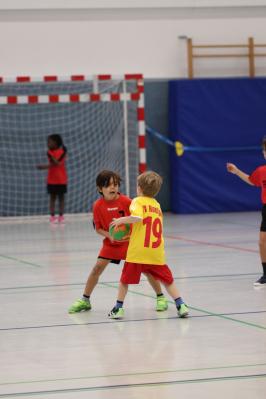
150	183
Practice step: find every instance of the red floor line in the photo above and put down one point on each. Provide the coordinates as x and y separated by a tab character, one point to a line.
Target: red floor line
212	244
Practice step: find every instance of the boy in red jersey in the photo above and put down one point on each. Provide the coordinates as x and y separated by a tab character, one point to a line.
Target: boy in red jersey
146	245
257	178
111	205
57	175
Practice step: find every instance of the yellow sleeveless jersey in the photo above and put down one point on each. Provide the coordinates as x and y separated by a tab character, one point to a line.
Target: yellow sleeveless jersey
146	244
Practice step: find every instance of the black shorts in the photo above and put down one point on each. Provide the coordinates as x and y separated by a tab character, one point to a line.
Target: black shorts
115	261
56	188
263	221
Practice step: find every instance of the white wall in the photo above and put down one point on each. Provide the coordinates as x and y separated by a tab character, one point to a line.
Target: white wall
66	42
63	4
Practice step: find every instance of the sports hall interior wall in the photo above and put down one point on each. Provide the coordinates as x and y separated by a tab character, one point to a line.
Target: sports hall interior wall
147	37
225	121
216	113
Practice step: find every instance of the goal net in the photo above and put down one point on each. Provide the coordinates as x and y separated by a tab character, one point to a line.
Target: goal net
98	121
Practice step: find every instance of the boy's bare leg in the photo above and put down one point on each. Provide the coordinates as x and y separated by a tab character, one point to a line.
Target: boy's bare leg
154	283
122	291
94	275
172	290
84	303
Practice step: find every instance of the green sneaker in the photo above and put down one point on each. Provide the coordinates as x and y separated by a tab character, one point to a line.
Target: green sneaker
116	313
182	310
161	304
79	306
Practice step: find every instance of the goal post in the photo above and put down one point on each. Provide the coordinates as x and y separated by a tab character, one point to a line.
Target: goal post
101	121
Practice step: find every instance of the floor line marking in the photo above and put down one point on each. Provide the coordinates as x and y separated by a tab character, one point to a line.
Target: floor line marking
113	282
110	322
135	385
137	374
206	312
20	260
212	244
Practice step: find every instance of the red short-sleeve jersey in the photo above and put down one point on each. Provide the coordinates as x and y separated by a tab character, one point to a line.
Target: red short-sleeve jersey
57	174
258	178
103	214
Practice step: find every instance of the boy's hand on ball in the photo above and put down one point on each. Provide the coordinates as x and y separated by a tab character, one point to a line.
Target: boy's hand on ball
115	222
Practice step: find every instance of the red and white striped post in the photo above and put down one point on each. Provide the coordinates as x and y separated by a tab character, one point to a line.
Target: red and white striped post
141	127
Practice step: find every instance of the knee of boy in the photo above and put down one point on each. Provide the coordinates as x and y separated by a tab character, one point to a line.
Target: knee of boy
97	270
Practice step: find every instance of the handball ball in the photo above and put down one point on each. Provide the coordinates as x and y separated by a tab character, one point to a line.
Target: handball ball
118	233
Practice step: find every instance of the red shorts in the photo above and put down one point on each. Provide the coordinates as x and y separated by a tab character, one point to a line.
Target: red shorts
132	271
113	251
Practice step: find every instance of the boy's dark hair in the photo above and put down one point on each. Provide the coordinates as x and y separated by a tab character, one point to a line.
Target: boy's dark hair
104	177
150	183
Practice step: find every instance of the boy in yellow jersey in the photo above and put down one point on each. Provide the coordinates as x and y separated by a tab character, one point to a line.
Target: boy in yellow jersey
145	252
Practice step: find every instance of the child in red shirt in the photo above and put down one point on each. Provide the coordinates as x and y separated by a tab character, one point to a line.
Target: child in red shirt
257	178
112	205
57	175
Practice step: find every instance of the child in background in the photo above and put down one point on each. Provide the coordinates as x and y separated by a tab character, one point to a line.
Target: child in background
146	245
57	175
111	205
257	178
